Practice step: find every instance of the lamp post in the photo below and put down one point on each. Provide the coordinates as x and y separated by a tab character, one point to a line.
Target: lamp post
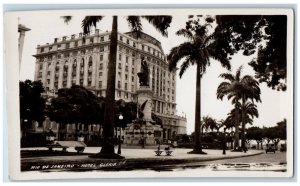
224	143
119	138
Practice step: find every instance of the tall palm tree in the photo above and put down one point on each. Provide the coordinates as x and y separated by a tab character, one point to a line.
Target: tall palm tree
249	111
198	50
238	88
161	23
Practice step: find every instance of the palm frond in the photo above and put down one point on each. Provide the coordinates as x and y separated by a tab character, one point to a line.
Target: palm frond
66	19
177	53
238	73
227	76
183	67
90	21
186	33
161	23
134	23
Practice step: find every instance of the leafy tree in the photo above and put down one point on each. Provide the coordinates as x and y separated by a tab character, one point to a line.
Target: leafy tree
32	104
264	34
257	134
281	126
76	105
161	23
198	50
238	88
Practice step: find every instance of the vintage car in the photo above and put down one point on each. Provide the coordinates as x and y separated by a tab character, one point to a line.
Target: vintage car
270	148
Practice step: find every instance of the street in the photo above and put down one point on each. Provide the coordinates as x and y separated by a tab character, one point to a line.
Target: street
278	157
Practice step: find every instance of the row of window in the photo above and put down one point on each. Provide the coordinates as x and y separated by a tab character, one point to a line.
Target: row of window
74	44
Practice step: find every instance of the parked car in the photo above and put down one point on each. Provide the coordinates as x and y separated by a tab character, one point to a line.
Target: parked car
283	148
270	148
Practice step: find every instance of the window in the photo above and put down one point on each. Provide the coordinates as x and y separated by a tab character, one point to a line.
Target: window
82	62
127	59
120	57
125	86
100	84
75	43
132	70
119	75
119	94
102	38
100	73
148	49
132	78
91	40
75	63
83	41
126	68
119	84
67	45
42	50
101	49
132	87
50	48
142	47
41	67
101	57
126	77
126	95
133	54
121	38
48	81
101	66
133	44
119	66
58	46
127	41
133	61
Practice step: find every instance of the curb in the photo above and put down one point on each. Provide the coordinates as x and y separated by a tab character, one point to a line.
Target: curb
117	165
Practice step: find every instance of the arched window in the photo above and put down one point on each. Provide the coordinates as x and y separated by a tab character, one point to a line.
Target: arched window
90	61
74	63
82	62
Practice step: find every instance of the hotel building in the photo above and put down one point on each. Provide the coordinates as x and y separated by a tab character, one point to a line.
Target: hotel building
83	60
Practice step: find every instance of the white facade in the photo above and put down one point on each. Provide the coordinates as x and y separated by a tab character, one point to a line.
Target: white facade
83	60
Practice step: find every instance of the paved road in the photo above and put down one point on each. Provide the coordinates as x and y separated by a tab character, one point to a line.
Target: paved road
278	157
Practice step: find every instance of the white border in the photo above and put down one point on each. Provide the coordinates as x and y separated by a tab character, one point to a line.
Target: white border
12	78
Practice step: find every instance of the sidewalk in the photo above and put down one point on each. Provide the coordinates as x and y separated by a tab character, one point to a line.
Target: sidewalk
134	158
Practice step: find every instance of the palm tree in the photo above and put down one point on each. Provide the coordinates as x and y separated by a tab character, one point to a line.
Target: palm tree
249	111
161	23
209	123
198	50
238	88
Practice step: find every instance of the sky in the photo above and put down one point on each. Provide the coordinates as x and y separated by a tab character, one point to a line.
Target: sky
47	26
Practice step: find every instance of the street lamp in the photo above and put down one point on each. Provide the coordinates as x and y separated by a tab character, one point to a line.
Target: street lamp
119	138
224	143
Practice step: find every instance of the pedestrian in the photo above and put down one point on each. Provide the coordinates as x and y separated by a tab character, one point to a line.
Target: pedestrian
142	142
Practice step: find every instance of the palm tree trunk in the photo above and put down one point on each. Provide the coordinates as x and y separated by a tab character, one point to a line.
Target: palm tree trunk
243	124
198	146
109	113
236	125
